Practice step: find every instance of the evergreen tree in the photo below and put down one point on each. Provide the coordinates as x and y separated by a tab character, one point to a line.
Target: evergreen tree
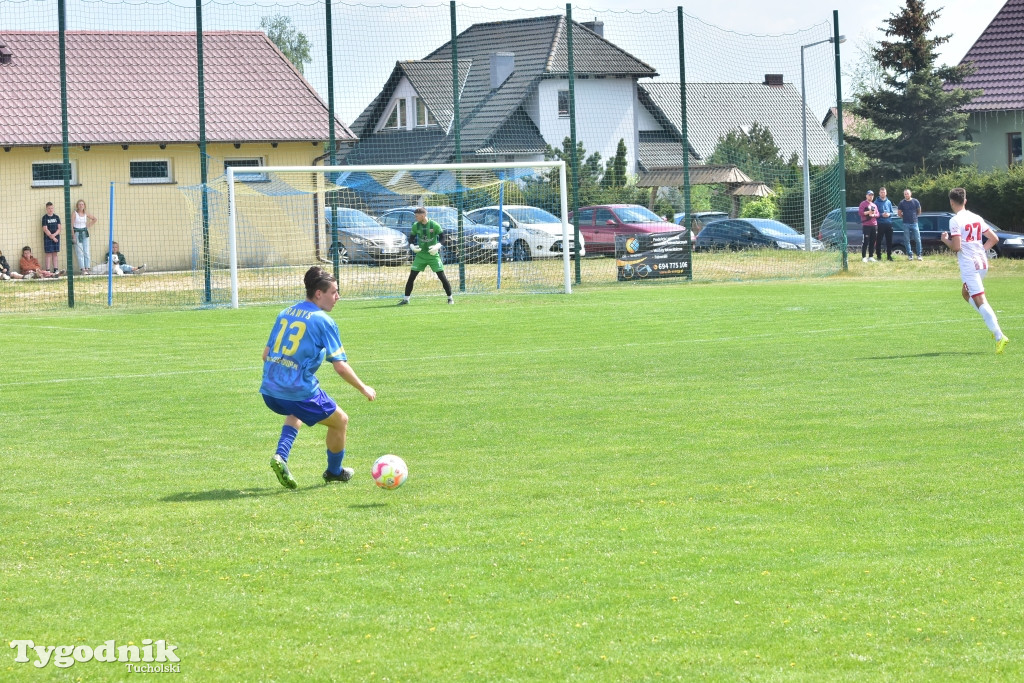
615	170
753	151
590	169
291	42
922	122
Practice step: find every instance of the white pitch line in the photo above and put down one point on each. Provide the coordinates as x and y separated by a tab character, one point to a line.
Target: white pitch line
860	331
66	329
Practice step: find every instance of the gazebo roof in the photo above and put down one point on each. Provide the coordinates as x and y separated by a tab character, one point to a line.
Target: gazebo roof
672	176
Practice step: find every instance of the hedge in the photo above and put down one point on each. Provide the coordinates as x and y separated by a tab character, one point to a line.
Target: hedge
997	195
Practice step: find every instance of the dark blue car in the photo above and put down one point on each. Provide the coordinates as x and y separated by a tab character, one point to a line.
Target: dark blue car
734	234
931	225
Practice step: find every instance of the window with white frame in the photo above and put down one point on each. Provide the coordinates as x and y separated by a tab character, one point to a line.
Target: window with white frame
149	171
51	173
246	162
1014	148
423	115
397	118
563	103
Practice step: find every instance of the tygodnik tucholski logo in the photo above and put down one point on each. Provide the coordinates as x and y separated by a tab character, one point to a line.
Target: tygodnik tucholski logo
153	656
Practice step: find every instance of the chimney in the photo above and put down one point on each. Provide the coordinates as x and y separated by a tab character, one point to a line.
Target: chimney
502	66
595	26
774	80
5	53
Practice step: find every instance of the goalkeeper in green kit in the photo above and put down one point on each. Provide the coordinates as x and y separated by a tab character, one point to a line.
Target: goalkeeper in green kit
428	253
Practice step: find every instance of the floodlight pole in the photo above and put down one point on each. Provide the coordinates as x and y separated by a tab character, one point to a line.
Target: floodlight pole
803	118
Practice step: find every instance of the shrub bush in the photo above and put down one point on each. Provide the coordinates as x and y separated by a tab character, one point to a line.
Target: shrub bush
996	195
762	207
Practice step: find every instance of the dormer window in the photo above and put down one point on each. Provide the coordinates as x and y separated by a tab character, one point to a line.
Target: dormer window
397	118
423	115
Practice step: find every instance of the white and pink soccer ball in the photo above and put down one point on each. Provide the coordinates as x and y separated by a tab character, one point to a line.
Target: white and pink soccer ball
389	471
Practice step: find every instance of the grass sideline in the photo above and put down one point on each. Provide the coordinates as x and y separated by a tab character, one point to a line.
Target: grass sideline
755	481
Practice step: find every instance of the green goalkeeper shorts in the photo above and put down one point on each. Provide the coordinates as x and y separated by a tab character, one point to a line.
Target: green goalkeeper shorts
424	259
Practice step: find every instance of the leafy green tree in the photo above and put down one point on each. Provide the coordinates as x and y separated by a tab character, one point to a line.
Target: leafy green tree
762	207
753	151
291	42
921	122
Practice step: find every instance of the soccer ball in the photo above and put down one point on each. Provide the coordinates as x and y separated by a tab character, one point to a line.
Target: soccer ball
389	471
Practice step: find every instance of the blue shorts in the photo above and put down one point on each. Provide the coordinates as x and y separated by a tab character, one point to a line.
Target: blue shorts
313	410
49	246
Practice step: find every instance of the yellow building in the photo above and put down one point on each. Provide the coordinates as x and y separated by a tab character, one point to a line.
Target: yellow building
133	121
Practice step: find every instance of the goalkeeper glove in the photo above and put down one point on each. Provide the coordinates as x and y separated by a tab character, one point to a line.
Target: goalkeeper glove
415	248
434	248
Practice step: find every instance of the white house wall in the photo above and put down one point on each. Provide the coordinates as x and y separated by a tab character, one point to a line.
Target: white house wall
605	113
405	91
646	122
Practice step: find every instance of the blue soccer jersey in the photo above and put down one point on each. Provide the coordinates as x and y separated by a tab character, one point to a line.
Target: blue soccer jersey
302	338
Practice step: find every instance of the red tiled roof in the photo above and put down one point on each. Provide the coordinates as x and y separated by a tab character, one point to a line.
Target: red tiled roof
142	87
998	57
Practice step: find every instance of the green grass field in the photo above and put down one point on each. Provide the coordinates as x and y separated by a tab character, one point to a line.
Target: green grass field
807	479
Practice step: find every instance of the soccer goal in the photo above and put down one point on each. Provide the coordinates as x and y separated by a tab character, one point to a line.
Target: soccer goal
505	228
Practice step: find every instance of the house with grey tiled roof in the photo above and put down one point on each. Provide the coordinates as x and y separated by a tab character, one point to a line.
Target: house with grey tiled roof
851	122
997	116
513	88
715	109
133	120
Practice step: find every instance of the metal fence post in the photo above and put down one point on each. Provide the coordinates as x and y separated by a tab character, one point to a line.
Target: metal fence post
459	198
842	144
66	152
687	204
203	171
332	141
575	151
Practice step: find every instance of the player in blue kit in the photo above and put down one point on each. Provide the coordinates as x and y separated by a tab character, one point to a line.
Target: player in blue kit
303	337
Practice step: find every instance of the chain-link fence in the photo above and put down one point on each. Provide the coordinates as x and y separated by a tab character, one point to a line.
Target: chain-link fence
137	109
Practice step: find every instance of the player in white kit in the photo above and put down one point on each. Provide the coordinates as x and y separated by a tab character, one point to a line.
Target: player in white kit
971	238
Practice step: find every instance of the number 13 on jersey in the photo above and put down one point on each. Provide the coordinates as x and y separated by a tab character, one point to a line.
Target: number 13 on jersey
297	329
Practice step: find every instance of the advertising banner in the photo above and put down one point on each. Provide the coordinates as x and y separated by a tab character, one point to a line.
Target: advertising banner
654	255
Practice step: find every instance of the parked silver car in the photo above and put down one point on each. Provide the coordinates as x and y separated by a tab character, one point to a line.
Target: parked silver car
363	240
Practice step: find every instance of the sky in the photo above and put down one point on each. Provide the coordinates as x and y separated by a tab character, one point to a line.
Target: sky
738	40
859	22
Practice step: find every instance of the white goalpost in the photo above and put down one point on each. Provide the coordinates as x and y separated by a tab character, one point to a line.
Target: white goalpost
278	201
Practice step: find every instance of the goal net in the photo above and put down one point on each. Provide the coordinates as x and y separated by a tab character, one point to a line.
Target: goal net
259	228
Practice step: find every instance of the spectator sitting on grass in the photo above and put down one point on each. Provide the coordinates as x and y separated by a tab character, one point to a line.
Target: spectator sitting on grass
120	262
5	269
30	266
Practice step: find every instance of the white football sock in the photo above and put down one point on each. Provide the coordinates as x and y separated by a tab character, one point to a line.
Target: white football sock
990	320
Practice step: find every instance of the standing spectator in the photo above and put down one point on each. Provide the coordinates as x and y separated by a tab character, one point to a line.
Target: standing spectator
909	209
81	221
51	239
868	223
120	262
30	267
5	269
884	229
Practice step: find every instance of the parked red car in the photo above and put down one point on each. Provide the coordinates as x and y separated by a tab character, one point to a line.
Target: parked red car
600	224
